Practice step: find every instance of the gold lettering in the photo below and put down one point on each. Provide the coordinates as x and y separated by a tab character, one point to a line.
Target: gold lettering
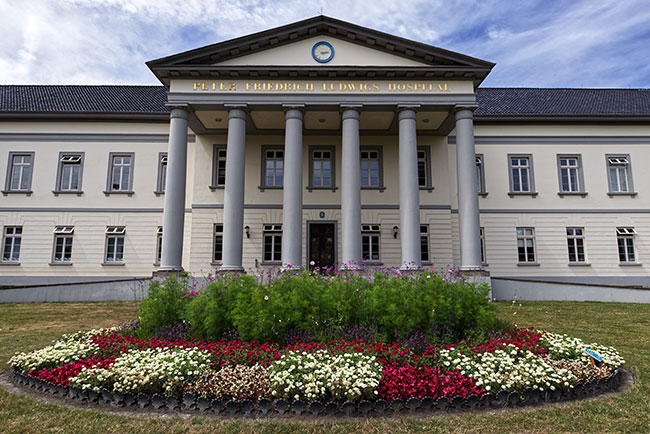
375	86
232	86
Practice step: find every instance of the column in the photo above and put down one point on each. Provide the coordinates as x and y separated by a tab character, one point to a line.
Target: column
468	214
409	190
350	187
292	188
174	204
233	196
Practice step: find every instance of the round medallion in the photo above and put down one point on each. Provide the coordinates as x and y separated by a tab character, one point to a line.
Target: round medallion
322	52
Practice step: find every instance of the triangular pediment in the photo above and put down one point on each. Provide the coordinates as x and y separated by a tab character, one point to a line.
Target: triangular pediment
287	51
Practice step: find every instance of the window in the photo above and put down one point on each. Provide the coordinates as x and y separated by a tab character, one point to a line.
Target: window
424	168
272	243
371	176
370	243
526	245
217	253
69	173
619	175
159	240
625	237
62	244
115	244
482	241
575	238
218	167
11	243
120	173
272	167
19	172
162	173
321	165
521	174
424	243
570	174
480	175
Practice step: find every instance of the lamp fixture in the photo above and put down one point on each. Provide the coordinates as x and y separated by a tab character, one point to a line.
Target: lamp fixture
395	231
247	231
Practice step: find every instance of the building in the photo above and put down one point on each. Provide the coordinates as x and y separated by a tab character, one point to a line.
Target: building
322	142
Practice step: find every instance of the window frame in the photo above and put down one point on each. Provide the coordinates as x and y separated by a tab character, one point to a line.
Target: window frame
531	176
216	234
630	181
371	230
114	232
273	230
163	158
10	166
62	232
525	237
265	149
310	183
215	185
109	176
481	234
627	233
380	167
14	236
59	173
425	235
427	168
572	240
159	240
580	178
479	161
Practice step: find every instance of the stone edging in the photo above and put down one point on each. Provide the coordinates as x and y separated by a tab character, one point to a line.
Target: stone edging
281	407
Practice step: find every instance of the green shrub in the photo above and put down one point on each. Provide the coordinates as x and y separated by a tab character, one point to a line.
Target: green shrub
165	304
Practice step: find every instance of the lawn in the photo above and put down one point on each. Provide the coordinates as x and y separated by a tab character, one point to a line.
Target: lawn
624	326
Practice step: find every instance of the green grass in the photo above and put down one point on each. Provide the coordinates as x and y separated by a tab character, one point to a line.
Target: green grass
626	326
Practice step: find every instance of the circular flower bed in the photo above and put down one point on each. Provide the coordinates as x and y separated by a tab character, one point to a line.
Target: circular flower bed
523	367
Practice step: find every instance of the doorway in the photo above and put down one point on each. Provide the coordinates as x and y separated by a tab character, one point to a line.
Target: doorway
321	244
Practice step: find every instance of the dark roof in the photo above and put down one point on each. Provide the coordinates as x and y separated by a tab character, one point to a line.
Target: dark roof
493	102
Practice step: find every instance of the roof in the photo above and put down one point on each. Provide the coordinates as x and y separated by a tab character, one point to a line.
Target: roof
493	103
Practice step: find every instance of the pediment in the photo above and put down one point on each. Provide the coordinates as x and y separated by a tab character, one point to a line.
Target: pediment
286	52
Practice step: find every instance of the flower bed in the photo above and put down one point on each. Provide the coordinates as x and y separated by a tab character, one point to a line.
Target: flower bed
350	375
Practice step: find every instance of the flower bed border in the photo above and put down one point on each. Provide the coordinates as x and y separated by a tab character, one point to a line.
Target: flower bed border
265	407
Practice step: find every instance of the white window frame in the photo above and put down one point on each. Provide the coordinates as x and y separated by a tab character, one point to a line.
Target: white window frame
425	246
619	163
15	234
528	168
576	241
625	238
312	167
367	183
217	240
526	234
113	167
159	240
69	159
272	232
371	237
480	174
575	184
481	234
26	171
161	179
65	235
277	180
219	155
116	233
424	159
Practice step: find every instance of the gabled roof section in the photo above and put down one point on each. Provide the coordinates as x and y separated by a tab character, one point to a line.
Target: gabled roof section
204	61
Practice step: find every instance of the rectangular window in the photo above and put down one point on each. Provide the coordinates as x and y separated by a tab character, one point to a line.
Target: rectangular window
273	167
575	238
424	243
424	167
526	245
62	244
272	243
120	173
69	172
370	243
480	175
570	174
162	172
19	172
11	243
371	175
115	244
217	253
159	240
625	237
219	167
322	168
521	174
482	241
619	174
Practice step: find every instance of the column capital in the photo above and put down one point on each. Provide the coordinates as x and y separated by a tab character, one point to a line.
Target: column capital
179	110
293	111
406	111
350	111
293	106
461	111
346	107
237	110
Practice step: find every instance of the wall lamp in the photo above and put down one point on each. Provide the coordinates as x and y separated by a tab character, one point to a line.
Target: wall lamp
247	231
395	231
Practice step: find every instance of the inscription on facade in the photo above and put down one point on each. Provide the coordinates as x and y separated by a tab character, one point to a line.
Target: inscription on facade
333	86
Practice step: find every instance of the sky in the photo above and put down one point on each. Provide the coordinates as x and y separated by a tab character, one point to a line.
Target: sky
534	43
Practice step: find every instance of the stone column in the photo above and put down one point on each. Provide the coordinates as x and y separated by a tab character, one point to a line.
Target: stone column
350	187
409	190
233	196
292	188
174	204
468	213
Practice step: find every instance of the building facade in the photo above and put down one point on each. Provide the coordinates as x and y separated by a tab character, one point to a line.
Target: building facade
323	143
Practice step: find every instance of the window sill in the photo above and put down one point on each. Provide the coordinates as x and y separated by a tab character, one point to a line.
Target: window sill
158	192
271	263
60	264
108	193
579	264
373	263
426	263
25	192
622	193
483	193
522	193
527	264
216	187
381	189
113	264
630	264
9	263
58	192
311	188
216	264
272	187
427	188
572	193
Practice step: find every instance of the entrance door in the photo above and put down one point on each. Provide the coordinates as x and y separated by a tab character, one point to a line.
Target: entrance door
321	245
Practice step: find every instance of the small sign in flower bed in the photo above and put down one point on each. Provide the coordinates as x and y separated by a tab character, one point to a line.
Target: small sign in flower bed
347	377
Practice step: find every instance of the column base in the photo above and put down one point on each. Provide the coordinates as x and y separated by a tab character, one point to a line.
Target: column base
411	267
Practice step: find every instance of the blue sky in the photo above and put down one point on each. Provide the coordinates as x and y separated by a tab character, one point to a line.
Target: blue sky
552	43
